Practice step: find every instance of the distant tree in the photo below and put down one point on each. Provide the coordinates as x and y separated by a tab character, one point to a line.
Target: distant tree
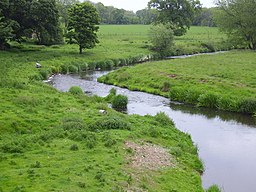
205	18
238	20
82	26
179	13
63	6
161	37
147	16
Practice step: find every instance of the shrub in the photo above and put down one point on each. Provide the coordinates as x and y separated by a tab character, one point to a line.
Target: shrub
72	69
109	64
163	119
74	147
227	103
75	90
111	94
208	100
213	188
120	102
110	122
178	94
247	106
91	65
210	47
161	37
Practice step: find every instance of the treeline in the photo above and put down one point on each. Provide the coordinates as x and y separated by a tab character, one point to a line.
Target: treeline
112	15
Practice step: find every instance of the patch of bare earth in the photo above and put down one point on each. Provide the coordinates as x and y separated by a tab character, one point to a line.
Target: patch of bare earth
149	156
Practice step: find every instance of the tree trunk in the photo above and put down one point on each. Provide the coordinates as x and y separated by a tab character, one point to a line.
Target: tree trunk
80	49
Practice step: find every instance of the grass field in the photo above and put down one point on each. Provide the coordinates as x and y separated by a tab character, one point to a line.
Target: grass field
226	81
52	141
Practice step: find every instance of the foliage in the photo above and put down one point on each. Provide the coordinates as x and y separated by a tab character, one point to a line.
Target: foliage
119	102
213	188
76	90
222	81
161	38
147	16
238	19
179	14
82	28
26	17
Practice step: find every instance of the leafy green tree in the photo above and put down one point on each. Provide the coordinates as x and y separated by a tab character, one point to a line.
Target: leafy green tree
44	20
179	13
82	26
161	38
238	20
63	6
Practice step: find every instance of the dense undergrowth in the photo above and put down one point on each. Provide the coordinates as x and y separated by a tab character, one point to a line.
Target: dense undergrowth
225	81
52	141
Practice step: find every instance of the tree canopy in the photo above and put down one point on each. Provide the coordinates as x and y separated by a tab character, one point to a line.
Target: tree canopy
21	18
82	26
238	19
179	13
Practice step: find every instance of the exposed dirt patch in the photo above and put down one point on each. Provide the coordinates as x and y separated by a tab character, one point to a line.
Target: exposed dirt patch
149	156
172	76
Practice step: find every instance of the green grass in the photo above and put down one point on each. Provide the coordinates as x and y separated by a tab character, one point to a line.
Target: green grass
52	141
226	81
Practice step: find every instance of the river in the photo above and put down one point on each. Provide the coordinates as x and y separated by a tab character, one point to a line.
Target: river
226	141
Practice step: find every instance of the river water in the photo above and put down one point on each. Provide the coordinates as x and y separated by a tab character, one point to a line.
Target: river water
226	141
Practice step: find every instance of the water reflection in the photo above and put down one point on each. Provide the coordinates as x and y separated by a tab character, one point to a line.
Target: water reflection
214	113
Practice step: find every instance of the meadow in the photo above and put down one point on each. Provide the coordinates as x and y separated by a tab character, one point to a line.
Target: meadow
53	141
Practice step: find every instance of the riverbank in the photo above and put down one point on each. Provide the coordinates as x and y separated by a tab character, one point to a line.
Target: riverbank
224	81
59	141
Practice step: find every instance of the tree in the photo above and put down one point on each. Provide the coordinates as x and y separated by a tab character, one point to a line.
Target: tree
82	26
44	21
63	6
161	38
179	13
238	20
147	16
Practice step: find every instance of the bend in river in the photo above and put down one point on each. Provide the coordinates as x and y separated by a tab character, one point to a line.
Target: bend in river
226	141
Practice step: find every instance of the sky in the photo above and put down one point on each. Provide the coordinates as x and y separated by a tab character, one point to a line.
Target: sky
135	5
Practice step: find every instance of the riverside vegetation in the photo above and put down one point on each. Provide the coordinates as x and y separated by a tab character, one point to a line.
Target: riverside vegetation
225	81
59	141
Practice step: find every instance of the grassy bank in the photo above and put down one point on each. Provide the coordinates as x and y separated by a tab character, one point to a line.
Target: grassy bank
52	141
225	81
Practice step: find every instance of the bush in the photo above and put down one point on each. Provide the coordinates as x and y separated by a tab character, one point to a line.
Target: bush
120	102
178	94
72	69
161	37
109	64
110	122
91	66
74	147
247	106
208	100
213	188
163	119
75	90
